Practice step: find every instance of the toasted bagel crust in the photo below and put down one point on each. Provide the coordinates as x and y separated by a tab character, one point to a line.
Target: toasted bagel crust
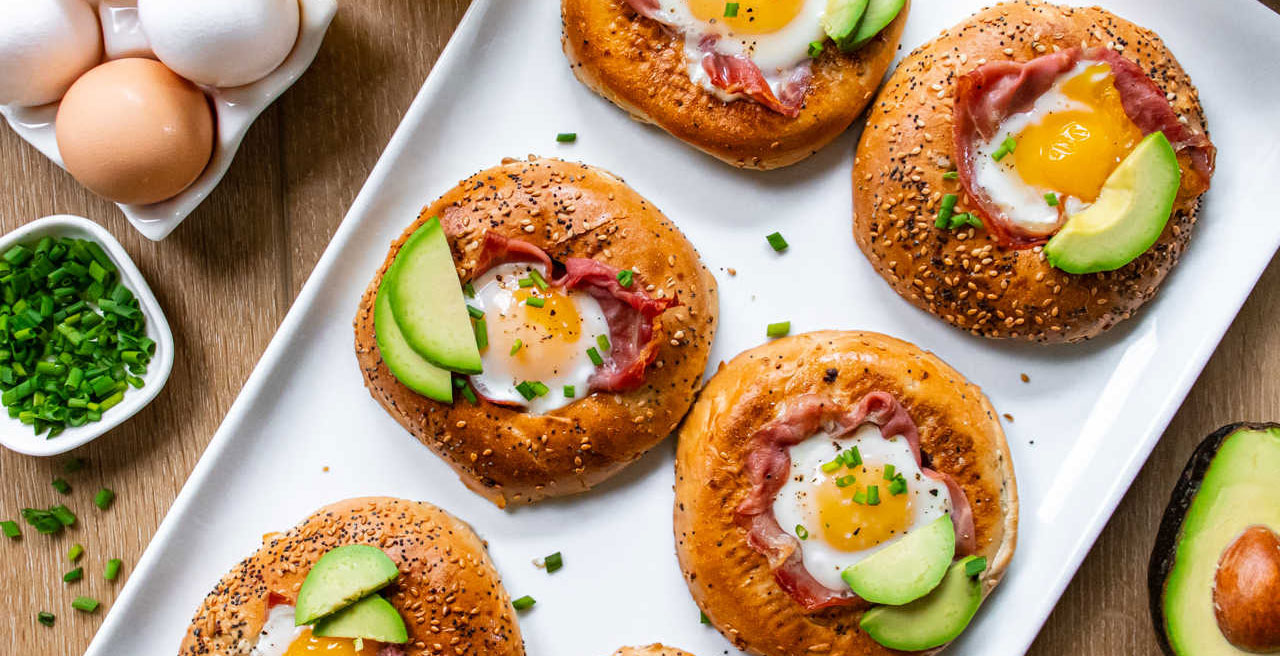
963	276
731	582
439	556
651	650
573	210
639	66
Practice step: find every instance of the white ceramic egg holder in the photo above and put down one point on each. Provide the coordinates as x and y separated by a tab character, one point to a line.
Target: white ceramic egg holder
235	109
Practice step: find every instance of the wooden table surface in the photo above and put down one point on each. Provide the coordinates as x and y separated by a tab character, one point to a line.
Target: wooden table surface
227	276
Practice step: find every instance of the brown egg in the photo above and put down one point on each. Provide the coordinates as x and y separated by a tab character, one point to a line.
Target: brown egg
1246	591
135	132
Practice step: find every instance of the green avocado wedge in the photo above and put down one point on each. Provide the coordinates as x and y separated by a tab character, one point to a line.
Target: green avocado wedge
933	620
340	578
841	21
426	300
877	17
405	364
907	569
371	618
1131	211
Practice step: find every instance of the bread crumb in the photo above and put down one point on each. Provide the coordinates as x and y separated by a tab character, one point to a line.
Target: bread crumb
1026	378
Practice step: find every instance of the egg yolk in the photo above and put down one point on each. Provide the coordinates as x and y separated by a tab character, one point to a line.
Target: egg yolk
847	522
307	644
754	16
1073	151
548	334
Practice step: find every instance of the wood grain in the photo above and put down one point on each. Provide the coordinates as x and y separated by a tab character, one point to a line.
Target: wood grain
229	273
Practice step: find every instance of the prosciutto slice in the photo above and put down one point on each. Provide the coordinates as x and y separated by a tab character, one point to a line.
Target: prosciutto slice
632	315
768	464
737	74
989	94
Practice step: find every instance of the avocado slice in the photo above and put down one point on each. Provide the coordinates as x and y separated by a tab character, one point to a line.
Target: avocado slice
340	578
371	618
1131	211
877	17
907	569
405	364
933	620
1227	489
841	20
426	300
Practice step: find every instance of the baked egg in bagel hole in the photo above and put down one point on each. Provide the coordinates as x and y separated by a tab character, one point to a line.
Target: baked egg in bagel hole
280	637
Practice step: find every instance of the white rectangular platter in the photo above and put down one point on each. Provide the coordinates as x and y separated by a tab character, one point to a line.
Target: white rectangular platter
1085	422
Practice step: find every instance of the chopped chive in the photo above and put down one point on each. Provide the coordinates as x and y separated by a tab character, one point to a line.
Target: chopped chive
595	356
535	301
851	457
73	576
103	498
482	334
859	498
802	532
730	10
45	618
898	486
526	390
975	566
951	175
554	562
702	618
828	467
515	346
777	242
779	329
946	210
889	472
538	280
603	342
539	388
523	603
72	465
567	137
10	529
470	395
525	282
63	515
469	289
1051	198
873	495
112	569
74	553
85	604
43	521
61	485
815	49
570	391
1006	147
475	312
845	481
626	277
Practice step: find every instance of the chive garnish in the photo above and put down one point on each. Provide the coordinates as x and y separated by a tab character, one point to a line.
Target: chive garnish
596	359
1006	147
702	618
898	485
74	553
61	485
815	49
64	514
1051	198
112	569
525	282
851	457
482	334
554	562
535	301
10	529
828	467
469	395
538	280
526	390
85	604
777	242
469	289
475	312
103	498
859	498
570	391
946	210
779	329
515	346
889	472
845	481
539	388
42	521
802	532
45	618
975	566
626	277
523	603
951	175
873	495
603	342
73	576
567	137
730	10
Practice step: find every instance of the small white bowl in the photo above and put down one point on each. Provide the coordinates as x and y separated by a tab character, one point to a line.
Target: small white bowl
235	109
20	437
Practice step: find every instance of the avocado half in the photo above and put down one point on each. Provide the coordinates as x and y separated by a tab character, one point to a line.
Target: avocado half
1207	578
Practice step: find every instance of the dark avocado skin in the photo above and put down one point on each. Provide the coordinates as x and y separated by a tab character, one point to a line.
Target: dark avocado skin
1165	549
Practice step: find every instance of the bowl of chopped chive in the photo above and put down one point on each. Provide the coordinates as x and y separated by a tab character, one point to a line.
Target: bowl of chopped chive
83	342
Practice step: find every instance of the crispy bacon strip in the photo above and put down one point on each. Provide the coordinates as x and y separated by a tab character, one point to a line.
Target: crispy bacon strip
768	464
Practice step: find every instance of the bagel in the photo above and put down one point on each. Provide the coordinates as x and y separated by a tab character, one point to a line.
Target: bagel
567	210
960	436
439	558
636	64
968	277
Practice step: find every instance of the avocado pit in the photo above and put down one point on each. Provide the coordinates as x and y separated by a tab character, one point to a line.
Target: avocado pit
1246	591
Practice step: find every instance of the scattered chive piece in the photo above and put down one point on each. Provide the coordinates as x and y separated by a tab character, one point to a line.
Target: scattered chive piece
45	618
730	10
802	532
1051	198
815	49
603	341
74	575
845	481
526	390
525	282
567	137
898	486
873	495
779	329
103	498
975	566
42	520
475	312
515	346
951	175
64	514
851	457
72	465
61	485
538	279
777	242
75	552
570	391
470	290
535	301
112	570
11	529
523	603
859	498
595	356
539	388
1006	147
85	604
554	562
828	467
703	618
889	472
470	395
946	210
482	334
626	277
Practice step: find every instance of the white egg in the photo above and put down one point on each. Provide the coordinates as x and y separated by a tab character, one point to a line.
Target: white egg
833	509
44	46
553	339
277	633
774	34
221	43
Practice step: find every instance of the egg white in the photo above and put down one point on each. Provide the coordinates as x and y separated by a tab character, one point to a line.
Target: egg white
495	296
277	633
794	506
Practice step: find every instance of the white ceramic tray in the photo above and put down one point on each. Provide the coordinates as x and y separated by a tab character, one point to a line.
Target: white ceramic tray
235	109
1085	422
